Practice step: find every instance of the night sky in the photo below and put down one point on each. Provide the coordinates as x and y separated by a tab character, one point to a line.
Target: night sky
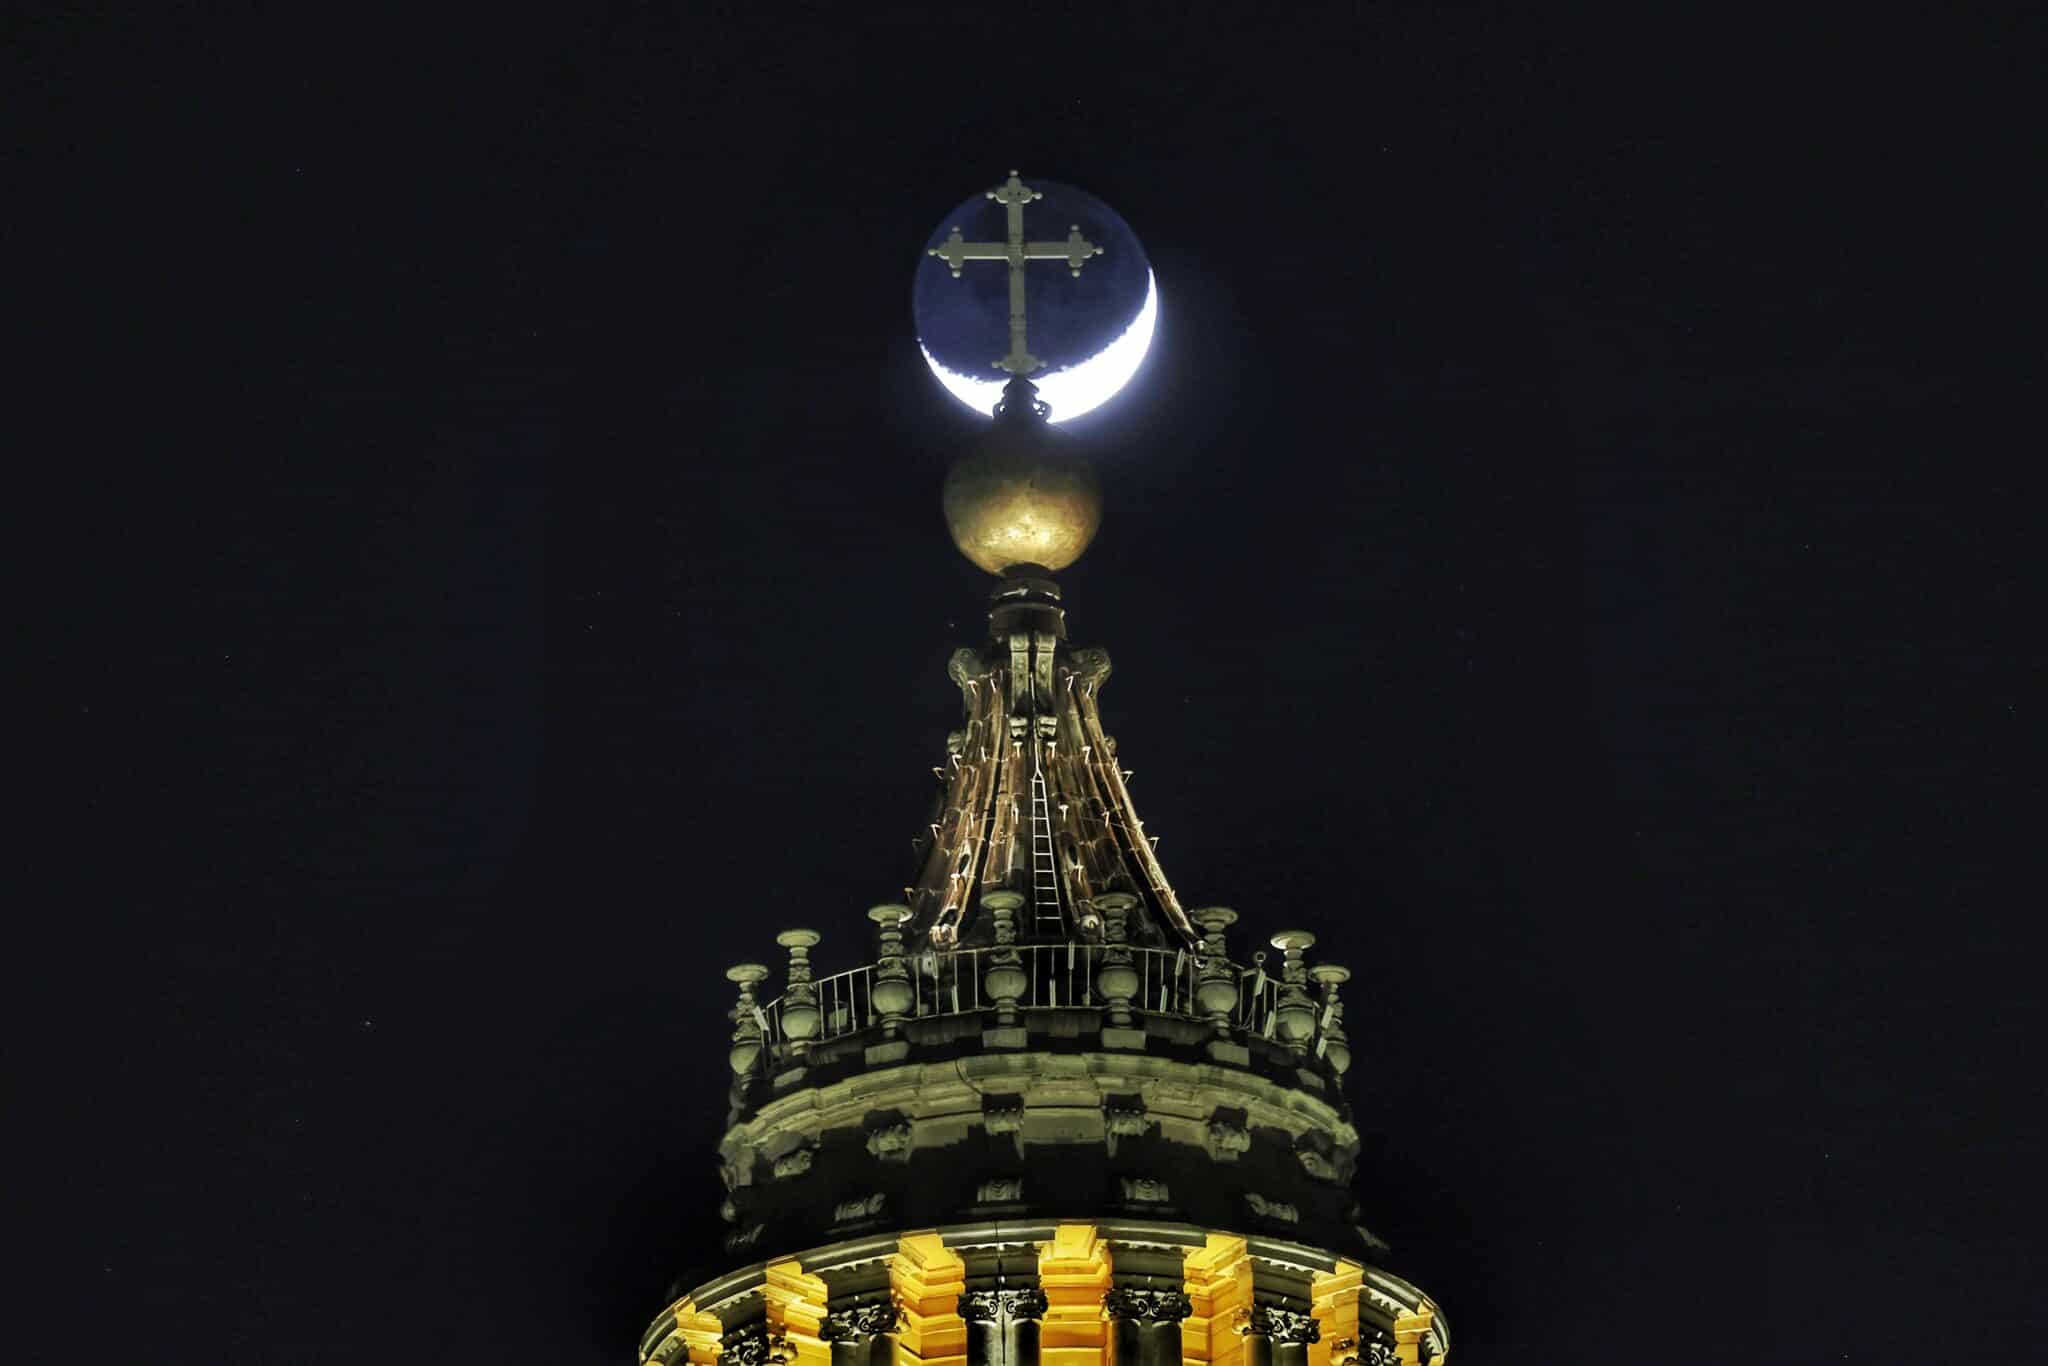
1573	547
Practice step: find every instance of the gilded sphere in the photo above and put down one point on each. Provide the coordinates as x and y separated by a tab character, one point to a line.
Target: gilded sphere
1019	499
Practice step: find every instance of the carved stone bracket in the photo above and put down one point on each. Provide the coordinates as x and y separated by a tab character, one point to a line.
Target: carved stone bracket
1280	1325
1227	1139
1001	1306
755	1347
859	1209
1317	1164
1146	1306
1373	1349
859	1322
1123	1117
1005	1115
1145	1190
999	1190
1272	1209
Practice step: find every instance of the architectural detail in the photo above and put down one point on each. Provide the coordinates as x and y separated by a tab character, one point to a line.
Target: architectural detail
1073	1270
1281	1325
1334	1046
867	1208
890	1142
1148	1306
755	1348
1317	1165
1145	1190
999	1190
924	1130
860	1322
1272	1209
926	1278
1013	195
1123	1117
1003	1116
1226	1139
1001	1306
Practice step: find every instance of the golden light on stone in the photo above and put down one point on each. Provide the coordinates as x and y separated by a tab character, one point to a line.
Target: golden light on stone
1014	502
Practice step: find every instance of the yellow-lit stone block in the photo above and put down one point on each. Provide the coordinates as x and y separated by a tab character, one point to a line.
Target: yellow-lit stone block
795	1310
1409	1331
1218	1283
1074	1273
926	1278
1333	1303
702	1334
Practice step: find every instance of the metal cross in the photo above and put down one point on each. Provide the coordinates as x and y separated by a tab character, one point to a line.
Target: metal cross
1075	251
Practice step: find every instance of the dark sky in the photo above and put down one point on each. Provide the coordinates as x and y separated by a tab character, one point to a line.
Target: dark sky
1574	547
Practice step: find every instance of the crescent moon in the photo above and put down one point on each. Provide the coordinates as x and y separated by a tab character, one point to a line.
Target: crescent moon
1079	389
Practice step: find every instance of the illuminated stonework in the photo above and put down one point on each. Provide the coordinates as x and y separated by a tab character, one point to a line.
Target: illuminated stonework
1049	1117
1136	1293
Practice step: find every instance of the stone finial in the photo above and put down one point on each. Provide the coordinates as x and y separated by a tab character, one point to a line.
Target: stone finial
1216	993
1336	1046
800	1017
1118	978
1005	981
746	1020
892	994
1296	1012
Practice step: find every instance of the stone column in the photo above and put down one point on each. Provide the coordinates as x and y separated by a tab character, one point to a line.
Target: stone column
1336	1046
1003	1325
1216	991
746	1023
859	1335
1117	979
1144	1325
1005	979
800	1018
1297	1012
892	995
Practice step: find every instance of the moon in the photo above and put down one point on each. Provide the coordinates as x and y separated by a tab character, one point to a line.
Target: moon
1091	330
1076	390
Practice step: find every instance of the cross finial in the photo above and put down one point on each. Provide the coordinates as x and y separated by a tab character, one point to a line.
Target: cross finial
955	251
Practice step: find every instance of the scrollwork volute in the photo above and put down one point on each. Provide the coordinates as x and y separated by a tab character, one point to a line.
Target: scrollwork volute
1146	1306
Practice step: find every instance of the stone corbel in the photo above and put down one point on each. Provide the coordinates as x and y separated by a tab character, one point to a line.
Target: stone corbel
848	1210
1002	1115
891	1142
1226	1137
1276	1210
1123	1117
859	1323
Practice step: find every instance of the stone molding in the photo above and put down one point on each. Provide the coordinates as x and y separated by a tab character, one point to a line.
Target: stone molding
776	1313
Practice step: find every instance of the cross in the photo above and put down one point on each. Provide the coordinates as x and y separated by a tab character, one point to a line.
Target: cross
1075	251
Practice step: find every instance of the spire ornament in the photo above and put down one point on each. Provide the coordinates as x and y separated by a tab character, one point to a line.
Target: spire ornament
1013	195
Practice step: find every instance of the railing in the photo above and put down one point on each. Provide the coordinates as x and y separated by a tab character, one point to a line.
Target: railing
1061	976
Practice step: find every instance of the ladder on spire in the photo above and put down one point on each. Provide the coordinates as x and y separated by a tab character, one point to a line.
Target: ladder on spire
1046	921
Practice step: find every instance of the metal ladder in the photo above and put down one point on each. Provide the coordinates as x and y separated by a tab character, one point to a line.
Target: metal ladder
1046	921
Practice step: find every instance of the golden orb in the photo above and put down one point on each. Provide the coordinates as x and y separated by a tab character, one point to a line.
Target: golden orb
1019	499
